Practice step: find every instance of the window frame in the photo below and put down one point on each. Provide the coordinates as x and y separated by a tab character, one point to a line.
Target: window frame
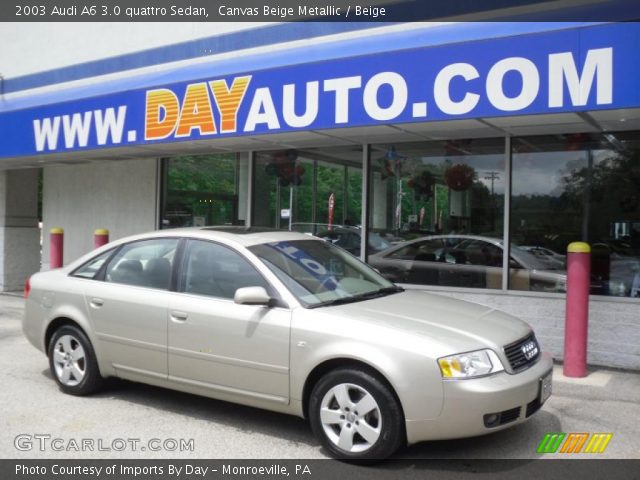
181	271
100	271
100	275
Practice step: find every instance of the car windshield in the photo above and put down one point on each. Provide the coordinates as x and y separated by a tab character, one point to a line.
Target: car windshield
320	274
533	262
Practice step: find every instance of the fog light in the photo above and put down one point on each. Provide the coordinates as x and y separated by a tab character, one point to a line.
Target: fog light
491	420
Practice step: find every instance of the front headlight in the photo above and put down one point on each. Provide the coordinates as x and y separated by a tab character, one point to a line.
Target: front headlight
470	364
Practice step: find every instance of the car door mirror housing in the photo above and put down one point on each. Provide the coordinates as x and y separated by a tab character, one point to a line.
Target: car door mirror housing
252	296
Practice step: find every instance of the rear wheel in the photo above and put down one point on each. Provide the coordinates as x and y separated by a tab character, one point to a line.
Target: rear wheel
356	416
73	362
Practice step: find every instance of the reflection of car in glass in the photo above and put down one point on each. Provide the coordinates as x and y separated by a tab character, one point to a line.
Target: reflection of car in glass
290	323
466	261
546	254
624	275
308	227
349	239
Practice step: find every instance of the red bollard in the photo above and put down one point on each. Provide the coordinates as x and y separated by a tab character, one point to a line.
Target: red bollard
100	237
577	310
56	247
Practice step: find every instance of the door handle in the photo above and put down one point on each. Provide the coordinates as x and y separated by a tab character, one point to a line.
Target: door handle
96	302
179	316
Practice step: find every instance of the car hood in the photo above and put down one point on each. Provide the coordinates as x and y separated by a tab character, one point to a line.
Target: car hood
449	322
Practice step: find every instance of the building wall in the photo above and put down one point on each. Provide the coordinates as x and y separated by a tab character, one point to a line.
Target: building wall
614	330
118	196
19	235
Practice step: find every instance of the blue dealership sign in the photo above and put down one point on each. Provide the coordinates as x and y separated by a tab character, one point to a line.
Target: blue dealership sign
578	69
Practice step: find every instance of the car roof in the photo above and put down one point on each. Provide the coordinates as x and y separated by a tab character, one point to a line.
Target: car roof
495	241
240	235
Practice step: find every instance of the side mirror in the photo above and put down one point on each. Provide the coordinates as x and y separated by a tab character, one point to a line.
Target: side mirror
252	296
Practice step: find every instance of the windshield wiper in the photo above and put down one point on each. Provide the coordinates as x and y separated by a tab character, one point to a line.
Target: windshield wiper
381	292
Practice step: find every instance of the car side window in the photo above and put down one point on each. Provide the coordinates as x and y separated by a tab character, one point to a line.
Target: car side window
92	267
214	270
483	254
427	251
145	264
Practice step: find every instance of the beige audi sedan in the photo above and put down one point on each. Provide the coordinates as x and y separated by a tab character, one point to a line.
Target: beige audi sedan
290	323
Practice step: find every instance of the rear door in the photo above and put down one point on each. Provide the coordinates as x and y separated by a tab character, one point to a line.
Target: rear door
129	307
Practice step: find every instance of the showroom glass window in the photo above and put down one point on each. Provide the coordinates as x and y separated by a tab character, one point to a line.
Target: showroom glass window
201	190
315	190
577	187
438	209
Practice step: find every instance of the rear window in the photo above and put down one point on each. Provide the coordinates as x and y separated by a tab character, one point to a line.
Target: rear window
93	266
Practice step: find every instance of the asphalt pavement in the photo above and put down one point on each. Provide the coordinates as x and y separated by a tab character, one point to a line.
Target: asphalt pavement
38	421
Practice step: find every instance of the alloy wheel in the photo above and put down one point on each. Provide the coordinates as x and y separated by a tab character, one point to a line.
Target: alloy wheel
69	360
350	417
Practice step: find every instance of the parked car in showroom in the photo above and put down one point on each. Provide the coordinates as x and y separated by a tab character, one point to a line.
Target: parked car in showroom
349	238
290	323
466	261
560	261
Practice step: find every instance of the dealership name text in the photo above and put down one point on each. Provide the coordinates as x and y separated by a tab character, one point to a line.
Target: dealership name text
240	105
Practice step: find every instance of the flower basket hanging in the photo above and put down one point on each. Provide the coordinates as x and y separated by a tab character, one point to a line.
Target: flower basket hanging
459	177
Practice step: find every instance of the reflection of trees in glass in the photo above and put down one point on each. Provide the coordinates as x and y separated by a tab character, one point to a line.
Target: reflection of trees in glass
329	179
615	179
354	196
200	190
612	186
211	173
485	216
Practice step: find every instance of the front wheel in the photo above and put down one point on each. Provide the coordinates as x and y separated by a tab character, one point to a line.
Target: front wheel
356	416
73	362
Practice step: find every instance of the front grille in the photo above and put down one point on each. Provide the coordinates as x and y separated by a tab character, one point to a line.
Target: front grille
517	353
509	415
533	407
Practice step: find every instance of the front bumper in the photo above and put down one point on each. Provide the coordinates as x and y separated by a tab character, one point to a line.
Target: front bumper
466	402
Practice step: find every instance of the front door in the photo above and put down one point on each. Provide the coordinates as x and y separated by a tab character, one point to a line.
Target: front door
217	344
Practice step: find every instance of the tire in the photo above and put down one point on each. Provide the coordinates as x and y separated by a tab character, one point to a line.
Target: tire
347	433
73	362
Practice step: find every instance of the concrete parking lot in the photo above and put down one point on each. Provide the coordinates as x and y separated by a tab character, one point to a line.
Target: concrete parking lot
606	401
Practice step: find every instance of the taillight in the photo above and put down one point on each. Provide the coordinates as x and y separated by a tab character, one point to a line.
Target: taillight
27	287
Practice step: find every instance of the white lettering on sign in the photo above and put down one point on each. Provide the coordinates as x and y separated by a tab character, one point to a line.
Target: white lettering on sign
229	106
311	105
262	110
530	84
46	131
76	128
399	96
341	87
110	125
441	92
598	65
